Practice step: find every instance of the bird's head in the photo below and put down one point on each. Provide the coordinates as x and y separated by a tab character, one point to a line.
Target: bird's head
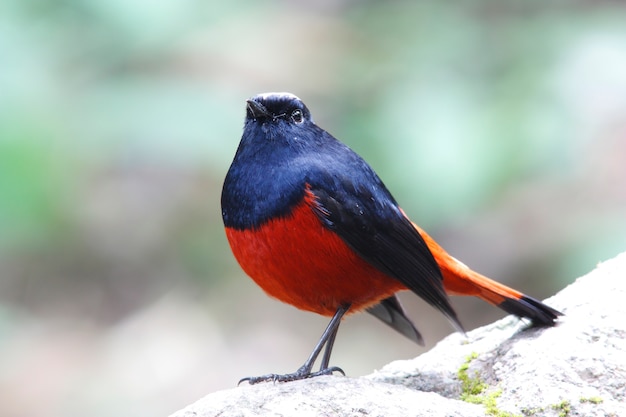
277	107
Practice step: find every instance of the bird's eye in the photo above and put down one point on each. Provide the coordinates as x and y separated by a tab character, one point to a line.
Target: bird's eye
297	116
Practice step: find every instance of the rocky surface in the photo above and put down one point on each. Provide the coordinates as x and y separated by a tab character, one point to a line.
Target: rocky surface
577	368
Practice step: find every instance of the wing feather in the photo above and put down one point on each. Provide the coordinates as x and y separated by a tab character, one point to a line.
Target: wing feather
375	228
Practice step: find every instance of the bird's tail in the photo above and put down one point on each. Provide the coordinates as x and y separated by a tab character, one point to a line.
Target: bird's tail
458	279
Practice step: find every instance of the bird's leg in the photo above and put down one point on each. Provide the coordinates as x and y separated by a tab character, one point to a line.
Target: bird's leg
328	339
328	350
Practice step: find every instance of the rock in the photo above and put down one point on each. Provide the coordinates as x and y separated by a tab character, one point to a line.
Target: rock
577	368
328	396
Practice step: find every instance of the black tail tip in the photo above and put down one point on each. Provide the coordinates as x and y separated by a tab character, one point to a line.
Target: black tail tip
528	307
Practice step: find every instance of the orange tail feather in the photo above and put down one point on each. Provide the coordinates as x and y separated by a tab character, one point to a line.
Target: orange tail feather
458	279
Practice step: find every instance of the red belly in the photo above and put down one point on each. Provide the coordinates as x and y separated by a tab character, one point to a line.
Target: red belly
297	260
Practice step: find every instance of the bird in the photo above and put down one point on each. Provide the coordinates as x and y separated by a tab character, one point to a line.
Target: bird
315	227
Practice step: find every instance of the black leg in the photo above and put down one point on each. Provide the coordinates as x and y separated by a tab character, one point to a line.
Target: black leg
328	339
328	350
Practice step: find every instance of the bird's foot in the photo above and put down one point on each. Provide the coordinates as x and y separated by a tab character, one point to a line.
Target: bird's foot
301	373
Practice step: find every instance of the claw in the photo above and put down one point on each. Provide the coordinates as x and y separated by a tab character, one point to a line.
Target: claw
304	372
295	376
329	371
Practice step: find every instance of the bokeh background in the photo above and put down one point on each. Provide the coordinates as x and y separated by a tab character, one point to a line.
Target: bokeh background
500	126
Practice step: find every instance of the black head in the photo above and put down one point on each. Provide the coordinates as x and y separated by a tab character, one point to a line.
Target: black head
280	153
279	149
277	107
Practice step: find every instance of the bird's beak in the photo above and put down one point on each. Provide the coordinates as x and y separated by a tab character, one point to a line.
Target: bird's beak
257	109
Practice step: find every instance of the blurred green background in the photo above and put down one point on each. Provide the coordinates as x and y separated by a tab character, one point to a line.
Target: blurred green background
500	126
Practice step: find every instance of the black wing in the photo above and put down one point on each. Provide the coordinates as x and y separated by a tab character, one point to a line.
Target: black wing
370	222
390	311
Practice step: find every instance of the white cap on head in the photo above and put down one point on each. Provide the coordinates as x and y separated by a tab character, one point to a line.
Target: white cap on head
283	95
